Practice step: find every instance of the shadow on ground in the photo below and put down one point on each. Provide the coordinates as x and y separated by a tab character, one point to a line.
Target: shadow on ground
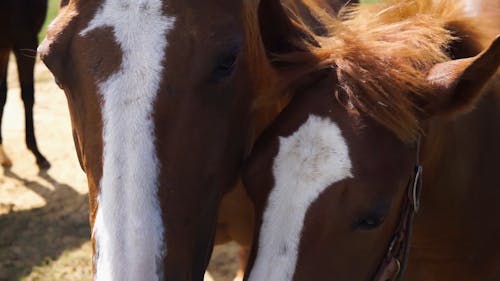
32	237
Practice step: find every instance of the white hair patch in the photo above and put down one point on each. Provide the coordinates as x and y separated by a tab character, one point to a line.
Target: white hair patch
308	161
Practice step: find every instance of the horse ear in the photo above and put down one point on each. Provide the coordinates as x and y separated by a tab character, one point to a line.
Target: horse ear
277	29
457	84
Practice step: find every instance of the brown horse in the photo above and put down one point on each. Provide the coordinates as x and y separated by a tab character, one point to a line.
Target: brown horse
333	178
161	124
161	99
20	22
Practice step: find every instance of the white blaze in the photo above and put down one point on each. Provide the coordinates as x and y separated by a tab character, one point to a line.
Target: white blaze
308	161
128	229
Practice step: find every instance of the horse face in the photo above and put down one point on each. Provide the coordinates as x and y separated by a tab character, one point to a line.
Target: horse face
327	186
327	179
160	124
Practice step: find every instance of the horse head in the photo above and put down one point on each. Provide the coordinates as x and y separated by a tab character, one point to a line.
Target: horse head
161	108
335	179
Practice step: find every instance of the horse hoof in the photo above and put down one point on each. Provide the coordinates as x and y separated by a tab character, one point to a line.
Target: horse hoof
43	164
4	160
208	277
6	163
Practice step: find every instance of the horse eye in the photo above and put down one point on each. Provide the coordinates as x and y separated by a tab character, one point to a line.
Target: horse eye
224	66
369	223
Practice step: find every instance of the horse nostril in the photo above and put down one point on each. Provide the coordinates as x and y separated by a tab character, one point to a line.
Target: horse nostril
50	62
51	57
44	52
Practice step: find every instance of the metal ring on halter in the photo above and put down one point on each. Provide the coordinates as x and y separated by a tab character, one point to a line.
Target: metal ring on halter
416	188
398	265
389	254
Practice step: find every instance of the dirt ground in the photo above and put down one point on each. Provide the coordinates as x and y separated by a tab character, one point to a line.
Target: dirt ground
44	230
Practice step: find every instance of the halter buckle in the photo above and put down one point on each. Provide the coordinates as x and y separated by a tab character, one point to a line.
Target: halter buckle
398	268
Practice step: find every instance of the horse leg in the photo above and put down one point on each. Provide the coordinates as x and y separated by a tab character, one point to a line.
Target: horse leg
25	67
244	252
4	61
235	222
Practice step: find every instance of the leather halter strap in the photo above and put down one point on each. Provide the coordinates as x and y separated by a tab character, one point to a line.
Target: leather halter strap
394	263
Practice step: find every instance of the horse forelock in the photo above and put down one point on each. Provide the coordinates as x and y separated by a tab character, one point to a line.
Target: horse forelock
128	228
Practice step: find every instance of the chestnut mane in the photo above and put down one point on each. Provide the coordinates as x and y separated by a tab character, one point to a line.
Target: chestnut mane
381	54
